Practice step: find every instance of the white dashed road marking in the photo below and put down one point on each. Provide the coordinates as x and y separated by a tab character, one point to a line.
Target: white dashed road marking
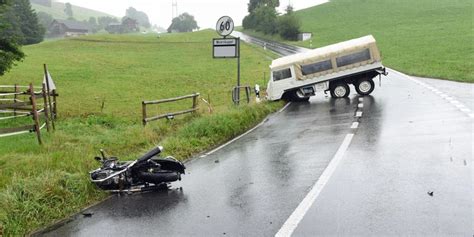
450	99
359	114
355	125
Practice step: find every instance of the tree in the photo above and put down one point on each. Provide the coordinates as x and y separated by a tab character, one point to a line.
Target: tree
140	17
266	19
183	23
44	19
32	31
10	51
104	21
68	10
92	22
262	16
289	25
254	4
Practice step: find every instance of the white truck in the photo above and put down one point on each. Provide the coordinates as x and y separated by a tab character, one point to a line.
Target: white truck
331	68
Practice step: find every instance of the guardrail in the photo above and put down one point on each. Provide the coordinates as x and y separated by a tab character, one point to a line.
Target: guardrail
147	119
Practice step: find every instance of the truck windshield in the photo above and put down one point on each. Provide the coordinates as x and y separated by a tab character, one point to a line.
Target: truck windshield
281	74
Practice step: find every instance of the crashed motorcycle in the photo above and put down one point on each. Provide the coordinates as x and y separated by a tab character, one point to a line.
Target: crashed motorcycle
149	172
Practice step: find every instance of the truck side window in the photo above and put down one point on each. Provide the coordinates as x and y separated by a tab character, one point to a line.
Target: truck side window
358	57
282	74
316	67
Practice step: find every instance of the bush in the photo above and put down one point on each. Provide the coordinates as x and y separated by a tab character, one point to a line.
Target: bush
289	27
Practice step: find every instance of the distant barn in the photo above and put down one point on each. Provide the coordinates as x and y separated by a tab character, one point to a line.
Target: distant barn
128	25
68	28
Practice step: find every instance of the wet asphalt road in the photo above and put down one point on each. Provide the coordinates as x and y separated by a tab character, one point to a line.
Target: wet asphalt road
411	140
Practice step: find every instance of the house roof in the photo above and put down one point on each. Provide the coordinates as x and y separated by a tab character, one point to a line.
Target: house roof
73	25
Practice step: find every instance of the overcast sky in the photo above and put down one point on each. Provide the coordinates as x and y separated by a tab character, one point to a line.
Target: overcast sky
206	12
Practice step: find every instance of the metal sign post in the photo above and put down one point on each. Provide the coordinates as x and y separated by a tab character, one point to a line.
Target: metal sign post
227	47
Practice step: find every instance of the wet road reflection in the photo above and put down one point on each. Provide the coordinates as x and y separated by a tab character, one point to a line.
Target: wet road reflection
247	188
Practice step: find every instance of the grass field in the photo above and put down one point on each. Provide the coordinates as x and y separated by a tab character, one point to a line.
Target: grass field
41	184
80	13
431	38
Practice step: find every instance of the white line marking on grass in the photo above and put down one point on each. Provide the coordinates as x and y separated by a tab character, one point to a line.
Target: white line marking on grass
355	125
295	218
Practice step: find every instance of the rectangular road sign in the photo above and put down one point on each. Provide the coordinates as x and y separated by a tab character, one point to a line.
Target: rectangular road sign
225	48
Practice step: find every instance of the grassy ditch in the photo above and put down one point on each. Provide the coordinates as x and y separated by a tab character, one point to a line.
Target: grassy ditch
423	38
39	185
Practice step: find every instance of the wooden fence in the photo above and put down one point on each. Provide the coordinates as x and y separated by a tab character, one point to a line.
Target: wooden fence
147	119
23	101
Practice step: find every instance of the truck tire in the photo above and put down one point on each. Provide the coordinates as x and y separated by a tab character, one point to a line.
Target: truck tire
297	97
340	90
364	86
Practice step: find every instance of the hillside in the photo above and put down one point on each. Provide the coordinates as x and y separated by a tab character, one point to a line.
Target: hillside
101	81
423	37
80	13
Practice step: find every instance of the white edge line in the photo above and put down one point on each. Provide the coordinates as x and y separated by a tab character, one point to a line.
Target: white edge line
456	103
292	222
243	134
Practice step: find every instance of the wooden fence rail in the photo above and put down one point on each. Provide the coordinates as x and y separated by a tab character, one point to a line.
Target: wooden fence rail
36	104
147	119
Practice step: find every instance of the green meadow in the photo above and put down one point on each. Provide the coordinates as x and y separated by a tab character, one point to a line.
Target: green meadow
428	38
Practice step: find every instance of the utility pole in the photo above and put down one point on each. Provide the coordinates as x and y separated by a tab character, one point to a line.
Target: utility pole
174	9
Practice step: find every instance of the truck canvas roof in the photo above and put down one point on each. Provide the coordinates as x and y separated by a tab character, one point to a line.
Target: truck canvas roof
324	52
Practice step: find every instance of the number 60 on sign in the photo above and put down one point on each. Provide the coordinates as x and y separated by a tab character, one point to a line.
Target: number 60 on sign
225	26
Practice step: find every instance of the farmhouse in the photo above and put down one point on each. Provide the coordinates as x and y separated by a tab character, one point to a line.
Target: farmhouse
68	28
128	25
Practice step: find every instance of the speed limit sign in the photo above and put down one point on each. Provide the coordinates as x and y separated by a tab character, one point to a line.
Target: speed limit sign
225	26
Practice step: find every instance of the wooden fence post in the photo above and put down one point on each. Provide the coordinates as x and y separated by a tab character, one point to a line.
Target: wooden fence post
15	99
195	98
144	113
35	114
46	110
247	93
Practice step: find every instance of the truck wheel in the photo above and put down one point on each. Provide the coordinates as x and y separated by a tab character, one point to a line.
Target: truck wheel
340	90
297	96
365	86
